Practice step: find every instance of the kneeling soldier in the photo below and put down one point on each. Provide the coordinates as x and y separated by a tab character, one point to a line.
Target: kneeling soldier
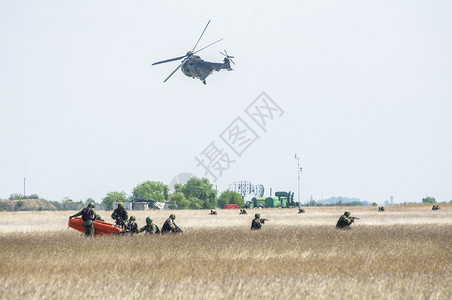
344	221
133	226
150	227
170	225
256	223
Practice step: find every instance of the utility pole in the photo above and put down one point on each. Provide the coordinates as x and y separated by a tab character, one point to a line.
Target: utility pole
25	176
299	169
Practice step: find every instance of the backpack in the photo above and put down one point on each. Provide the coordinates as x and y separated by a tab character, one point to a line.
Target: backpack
87	214
157	231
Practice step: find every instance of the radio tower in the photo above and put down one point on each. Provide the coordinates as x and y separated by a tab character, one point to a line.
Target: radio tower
299	169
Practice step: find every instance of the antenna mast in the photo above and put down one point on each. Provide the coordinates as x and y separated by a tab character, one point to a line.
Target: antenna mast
299	169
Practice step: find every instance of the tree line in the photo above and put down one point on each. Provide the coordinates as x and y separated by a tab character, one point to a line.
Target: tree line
196	193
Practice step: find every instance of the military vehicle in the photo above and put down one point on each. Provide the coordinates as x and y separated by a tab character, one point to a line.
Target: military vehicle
281	199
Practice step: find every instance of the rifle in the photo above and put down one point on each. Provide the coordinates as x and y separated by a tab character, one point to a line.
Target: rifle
353	218
178	230
263	220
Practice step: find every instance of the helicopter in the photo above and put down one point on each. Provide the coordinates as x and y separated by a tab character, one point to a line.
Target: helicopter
193	66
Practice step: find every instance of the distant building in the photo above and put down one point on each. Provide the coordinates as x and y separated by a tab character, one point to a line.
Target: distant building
140	205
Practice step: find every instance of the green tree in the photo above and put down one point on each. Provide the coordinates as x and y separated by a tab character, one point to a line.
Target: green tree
112	197
16	197
150	190
67	200
195	203
311	202
230	197
199	189
179	201
428	200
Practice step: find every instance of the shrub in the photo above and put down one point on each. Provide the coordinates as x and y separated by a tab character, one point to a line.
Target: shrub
230	197
428	200
16	197
19	205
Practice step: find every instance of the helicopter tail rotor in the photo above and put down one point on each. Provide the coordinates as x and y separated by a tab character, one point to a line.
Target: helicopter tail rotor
227	56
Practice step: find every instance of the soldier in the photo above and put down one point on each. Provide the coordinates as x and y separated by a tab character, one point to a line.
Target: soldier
170	225
301	210
212	212
256	223
150	227
344	221
133	226
120	216
88	216
242	212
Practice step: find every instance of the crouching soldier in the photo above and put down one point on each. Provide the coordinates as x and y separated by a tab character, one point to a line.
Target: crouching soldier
150	227
133	226
88	216
170	225
344	221
256	223
212	212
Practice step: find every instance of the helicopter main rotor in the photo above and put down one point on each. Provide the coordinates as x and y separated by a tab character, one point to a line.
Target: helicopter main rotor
188	54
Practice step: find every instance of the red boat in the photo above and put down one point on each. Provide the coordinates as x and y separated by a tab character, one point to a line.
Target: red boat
100	227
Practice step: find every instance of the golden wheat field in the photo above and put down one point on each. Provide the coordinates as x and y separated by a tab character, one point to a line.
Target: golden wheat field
403	253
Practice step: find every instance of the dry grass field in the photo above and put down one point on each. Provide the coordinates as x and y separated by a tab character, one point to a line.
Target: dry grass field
403	253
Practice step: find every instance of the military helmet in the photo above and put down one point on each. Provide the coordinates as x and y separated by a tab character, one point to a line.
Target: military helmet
91	204
120	205
257	215
148	220
132	218
172	216
347	213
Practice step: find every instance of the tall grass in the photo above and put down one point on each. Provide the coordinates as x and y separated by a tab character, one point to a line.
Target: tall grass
391	255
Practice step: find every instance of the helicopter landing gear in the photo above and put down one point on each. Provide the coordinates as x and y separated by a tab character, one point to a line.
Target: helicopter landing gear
204	81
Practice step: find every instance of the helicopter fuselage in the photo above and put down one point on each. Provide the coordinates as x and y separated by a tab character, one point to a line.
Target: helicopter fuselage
193	66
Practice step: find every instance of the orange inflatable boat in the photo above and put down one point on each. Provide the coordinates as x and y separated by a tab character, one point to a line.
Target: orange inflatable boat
100	227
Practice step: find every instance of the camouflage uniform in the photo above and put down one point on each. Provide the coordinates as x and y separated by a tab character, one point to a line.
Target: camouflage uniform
344	221
212	212
133	226
150	227
92	215
256	223
120	215
170	226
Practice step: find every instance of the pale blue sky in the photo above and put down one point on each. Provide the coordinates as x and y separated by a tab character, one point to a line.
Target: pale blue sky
365	87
